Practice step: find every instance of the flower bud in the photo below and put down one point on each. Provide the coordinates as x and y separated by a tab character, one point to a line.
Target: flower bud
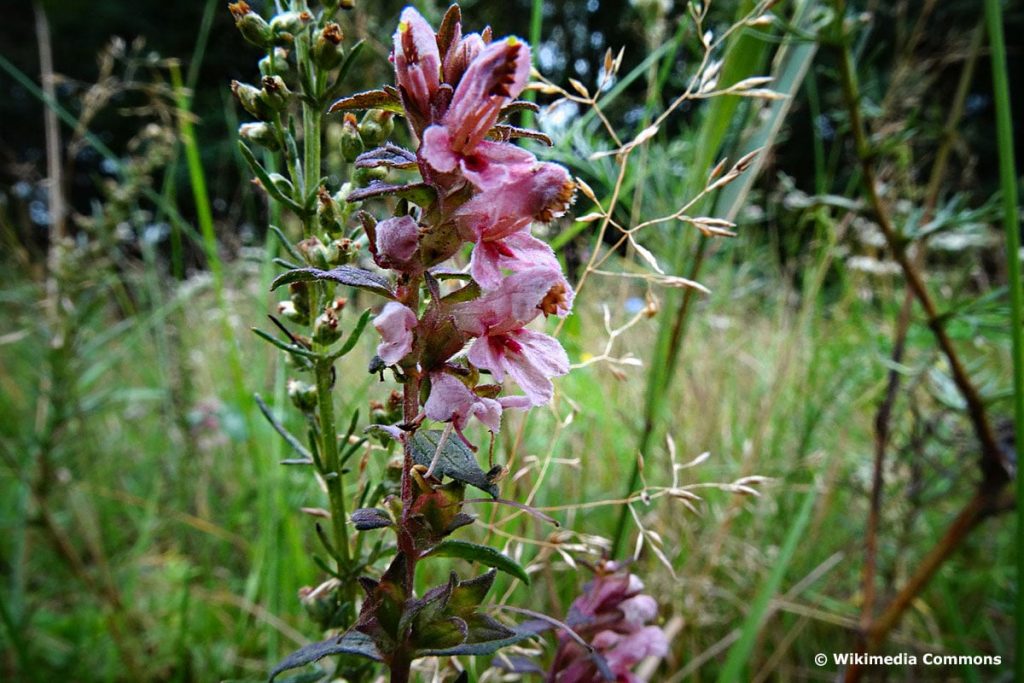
365	176
286	24
249	97
376	127
329	214
314	251
259	134
326	327
340	252
302	395
351	142
299	295
327	51
252	26
276	65
289	310
275	93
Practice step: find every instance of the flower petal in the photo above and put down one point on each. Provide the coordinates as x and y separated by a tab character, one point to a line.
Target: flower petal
395	323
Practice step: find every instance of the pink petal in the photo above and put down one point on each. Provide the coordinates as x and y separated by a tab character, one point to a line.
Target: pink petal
491	165
436	150
497	75
395	323
638	610
540	359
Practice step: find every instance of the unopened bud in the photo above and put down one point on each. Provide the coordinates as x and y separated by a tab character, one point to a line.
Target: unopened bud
314	252
250	99
340	252
376	127
289	310
252	26
351	142
327	51
299	293
287	24
275	92
326	327
302	395
276	64
259	134
365	176
329	213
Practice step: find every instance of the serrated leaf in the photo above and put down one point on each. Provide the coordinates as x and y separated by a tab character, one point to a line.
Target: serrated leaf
456	462
345	275
349	643
485	555
389	155
479	647
371	99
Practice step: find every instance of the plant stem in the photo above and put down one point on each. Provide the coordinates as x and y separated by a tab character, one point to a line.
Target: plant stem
1008	180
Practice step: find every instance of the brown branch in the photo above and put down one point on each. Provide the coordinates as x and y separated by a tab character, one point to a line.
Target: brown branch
994	472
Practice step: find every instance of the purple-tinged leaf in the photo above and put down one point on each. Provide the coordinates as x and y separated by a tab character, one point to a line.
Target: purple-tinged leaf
417	193
391	156
456	462
349	643
345	275
371	99
365	519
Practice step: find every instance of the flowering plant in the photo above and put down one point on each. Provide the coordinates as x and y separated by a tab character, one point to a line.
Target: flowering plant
442	328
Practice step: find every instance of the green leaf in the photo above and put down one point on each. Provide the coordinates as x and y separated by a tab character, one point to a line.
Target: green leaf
456	462
349	643
479	647
265	181
485	555
345	275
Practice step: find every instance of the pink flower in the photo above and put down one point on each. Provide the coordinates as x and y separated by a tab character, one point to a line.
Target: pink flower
461	54
397	241
395	323
452	401
498	220
417	65
495	76
504	345
611	614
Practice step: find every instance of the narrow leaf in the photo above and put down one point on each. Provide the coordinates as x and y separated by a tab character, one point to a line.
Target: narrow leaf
350	643
472	552
345	275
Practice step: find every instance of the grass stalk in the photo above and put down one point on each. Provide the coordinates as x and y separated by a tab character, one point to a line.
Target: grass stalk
204	214
1011	224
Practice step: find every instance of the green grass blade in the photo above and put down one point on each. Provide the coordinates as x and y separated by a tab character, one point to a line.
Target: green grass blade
1011	224
739	653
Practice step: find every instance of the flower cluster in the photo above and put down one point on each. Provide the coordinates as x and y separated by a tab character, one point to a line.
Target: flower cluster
611	615
453	89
